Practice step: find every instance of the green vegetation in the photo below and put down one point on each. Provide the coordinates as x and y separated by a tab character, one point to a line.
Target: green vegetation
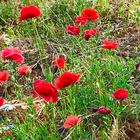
102	72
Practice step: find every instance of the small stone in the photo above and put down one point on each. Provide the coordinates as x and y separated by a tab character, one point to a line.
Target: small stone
7	107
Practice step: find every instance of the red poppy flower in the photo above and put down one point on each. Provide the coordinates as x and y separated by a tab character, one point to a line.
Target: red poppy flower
73	30
120	94
109	45
89	33
13	54
59	62
104	110
80	20
1	101
29	12
46	91
71	121
90	14
4	75
66	79
23	70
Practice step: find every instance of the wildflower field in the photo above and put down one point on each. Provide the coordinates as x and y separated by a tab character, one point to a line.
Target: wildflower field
69	70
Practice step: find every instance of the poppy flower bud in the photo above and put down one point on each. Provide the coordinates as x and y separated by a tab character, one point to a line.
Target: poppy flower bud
137	66
104	110
122	54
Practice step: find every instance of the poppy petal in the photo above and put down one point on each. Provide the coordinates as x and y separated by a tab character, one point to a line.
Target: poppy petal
4	75
109	45
89	33
73	30
23	70
46	91
66	79
13	54
18	58
90	14
59	62
1	101
71	121
30	11
80	20
120	94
